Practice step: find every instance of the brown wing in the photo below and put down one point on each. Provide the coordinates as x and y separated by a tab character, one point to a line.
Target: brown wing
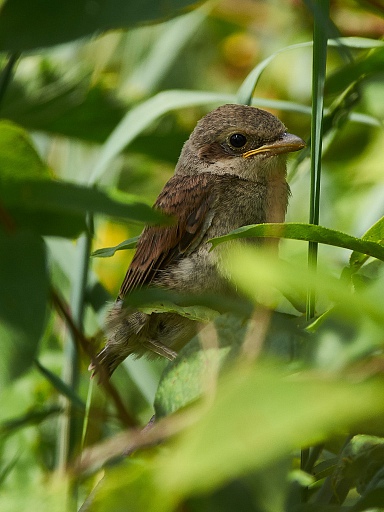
188	198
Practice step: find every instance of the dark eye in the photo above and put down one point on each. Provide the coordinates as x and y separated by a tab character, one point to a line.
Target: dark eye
238	140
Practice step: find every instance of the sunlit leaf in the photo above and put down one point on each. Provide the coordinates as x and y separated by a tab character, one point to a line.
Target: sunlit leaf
259	416
258	274
374	234
18	158
106	252
368	244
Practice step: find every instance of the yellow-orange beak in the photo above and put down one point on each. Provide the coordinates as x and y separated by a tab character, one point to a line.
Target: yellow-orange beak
286	144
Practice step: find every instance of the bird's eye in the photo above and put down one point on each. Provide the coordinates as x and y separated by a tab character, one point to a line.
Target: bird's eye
238	140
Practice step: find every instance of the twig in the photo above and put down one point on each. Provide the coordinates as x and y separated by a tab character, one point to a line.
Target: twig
86	346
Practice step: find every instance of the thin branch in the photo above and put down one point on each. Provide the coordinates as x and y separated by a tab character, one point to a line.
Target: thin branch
86	346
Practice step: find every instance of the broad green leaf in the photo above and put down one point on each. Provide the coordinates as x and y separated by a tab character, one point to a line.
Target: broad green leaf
187	377
258	274
130	487
106	252
310	233
24	291
60	197
374	234
258	416
51	108
19	161
55	23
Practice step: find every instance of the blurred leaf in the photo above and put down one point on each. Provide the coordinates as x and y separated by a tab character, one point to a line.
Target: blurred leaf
19	161
360	461
372	5
372	501
18	157
60	385
55	23
258	274
24	290
33	417
110	251
374	234
245	92
197	313
311	233
141	116
355	71
6	468
130	487
265	415
185	379
169	43
60	197
220	343
72	108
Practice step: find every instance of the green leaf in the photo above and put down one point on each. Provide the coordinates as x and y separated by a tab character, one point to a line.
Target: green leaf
309	233
33	417
258	274
74	108
55	23
368	65
258	416
18	157
245	92
185	379
106	252
60	385
197	313
19	161
374	234
140	118
43	197
24	292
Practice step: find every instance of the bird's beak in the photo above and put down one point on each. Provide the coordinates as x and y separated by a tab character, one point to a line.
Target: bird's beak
285	144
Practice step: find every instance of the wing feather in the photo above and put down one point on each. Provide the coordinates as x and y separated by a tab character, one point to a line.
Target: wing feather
188	198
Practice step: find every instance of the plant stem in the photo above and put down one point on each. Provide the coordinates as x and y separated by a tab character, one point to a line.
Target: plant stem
320	37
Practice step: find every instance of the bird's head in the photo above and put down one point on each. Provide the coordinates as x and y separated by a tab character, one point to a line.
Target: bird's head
241	140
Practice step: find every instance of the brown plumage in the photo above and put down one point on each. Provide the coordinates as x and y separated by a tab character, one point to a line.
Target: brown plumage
231	172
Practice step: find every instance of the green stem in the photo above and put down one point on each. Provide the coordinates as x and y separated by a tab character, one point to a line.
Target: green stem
320	38
70	428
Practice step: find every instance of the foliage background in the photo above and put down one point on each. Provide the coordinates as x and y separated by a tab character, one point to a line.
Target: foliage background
90	130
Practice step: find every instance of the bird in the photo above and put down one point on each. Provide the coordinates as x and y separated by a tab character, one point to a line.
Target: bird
231	173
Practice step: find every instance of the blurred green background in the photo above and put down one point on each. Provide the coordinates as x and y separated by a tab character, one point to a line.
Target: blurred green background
104	96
